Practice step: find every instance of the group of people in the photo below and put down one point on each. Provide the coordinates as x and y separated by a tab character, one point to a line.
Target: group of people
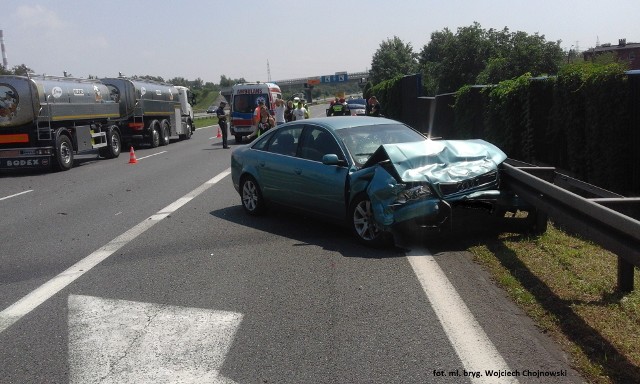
292	110
340	107
284	112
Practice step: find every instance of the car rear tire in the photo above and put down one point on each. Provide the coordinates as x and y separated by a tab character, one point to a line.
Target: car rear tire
238	139
252	200
363	225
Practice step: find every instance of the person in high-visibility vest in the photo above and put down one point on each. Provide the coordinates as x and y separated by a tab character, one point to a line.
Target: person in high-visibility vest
340	108
262	120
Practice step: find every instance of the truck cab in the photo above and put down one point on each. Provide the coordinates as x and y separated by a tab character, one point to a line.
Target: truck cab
187	99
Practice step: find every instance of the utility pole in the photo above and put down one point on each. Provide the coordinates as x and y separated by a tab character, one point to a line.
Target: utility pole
5	63
268	72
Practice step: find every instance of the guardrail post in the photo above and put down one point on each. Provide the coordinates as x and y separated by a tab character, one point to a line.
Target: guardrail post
625	275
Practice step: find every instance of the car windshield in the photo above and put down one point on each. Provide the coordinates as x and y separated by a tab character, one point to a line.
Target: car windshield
362	141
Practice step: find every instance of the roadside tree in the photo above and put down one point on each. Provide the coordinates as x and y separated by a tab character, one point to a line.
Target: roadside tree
393	58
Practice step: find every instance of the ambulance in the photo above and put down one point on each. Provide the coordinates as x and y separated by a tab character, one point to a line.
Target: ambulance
244	100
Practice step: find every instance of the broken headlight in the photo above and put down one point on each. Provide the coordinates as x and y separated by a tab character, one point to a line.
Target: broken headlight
418	192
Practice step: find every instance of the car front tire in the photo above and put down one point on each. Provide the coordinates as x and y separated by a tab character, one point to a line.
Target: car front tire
363	225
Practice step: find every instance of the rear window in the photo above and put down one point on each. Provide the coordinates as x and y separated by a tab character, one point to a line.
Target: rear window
359	102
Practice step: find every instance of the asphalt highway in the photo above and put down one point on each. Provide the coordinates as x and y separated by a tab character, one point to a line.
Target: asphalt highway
151	272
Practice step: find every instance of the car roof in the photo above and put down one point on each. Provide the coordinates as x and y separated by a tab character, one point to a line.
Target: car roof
337	123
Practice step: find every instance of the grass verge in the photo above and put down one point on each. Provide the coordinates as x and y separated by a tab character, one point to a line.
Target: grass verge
207	121
568	287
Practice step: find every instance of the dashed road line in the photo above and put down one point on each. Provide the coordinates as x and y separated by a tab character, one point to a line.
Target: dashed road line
16	194
31	301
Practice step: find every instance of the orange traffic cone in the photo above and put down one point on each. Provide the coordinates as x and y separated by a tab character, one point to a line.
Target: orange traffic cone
219	135
132	156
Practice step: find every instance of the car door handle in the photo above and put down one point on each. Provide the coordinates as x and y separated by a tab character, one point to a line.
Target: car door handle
261	163
297	171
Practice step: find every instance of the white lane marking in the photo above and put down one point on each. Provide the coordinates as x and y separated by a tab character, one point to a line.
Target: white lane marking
16	194
119	341
41	294
154	154
471	343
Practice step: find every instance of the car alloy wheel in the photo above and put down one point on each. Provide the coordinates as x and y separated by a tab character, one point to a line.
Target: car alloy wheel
252	200
363	224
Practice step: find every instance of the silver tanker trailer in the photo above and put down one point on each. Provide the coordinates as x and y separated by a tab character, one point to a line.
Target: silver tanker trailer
151	112
44	120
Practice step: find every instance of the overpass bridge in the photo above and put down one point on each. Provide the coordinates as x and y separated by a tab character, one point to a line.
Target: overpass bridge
338	77
310	82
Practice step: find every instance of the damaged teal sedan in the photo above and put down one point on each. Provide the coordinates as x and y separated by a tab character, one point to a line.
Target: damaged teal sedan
378	175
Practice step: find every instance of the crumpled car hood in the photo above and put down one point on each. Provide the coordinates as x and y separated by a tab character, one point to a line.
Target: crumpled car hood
439	161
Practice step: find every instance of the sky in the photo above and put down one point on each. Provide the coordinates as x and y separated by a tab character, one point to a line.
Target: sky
273	39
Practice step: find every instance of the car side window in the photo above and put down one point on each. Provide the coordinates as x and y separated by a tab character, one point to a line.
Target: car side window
285	141
317	143
261	143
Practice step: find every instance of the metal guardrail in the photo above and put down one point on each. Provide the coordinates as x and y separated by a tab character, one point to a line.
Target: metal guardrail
606	218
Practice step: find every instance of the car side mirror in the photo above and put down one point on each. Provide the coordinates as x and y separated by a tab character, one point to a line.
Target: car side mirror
332	159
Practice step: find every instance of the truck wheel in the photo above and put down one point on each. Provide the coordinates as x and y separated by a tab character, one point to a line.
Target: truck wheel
252	200
164	132
189	132
154	127
238	139
363	225
114	145
64	153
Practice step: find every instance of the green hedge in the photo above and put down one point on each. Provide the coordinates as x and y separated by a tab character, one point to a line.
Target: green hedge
389	94
579	121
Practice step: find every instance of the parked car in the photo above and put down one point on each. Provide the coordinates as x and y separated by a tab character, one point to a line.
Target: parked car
357	106
376	174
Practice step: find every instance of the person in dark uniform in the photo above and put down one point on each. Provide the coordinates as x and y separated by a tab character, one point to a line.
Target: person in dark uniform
374	107
222	122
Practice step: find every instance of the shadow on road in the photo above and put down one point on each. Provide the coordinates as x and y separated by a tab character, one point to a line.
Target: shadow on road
306	230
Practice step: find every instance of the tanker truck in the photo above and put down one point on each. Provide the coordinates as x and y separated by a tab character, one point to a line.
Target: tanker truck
151	112
45	120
